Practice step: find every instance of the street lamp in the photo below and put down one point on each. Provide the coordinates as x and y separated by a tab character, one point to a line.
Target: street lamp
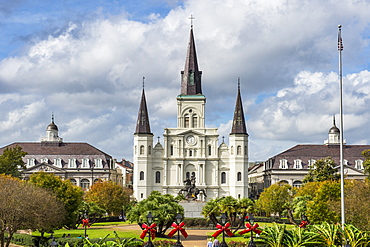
92	174
178	220
149	219
85	217
223	219
251	222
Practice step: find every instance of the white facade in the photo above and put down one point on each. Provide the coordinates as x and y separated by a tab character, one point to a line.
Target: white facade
191	149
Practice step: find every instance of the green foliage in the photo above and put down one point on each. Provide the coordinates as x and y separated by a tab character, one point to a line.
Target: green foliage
357	200
324	205
272	236
322	170
92	210
276	198
355	237
330	234
366	164
163	207
301	237
108	196
65	191
11	161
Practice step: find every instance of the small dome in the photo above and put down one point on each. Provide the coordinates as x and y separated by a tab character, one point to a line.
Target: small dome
52	126
334	130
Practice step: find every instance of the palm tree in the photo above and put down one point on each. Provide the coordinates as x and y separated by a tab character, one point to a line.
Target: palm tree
299	237
330	234
273	236
212	210
354	236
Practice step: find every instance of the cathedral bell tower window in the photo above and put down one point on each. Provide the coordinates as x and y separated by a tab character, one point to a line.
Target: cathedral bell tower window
223	177
186	121
141	175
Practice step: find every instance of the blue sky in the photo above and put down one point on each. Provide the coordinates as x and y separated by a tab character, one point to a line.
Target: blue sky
84	60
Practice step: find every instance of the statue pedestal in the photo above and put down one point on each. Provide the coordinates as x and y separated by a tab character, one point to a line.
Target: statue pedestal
193	209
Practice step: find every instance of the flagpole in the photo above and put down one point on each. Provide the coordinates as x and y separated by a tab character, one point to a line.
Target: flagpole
340	49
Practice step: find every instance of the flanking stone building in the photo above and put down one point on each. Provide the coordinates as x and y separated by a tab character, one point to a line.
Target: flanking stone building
82	163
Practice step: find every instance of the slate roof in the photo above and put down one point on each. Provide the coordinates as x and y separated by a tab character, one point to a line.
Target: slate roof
67	148
143	125
308	152
239	125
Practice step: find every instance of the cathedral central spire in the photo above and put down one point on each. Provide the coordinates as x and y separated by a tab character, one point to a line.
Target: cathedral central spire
191	76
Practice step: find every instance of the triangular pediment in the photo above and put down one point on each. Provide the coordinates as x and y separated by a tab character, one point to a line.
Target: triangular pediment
43	167
191	131
348	170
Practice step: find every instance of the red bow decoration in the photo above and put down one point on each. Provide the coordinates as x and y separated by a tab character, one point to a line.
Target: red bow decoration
224	228
251	228
147	229
303	224
85	222
178	227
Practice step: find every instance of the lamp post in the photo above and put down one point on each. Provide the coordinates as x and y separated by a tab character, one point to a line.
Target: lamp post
92	174
223	222
178	219
149	218
251	222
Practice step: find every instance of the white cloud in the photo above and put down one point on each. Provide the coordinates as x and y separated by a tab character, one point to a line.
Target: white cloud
90	73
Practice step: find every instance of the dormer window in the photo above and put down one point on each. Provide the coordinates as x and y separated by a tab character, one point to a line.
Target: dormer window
85	163
98	163
283	164
359	164
297	164
44	160
311	163
58	162
72	163
30	162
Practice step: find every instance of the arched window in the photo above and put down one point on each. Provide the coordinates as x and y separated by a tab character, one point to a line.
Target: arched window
239	176
190	152
85	184
245	150
232	150
195	121
297	184
186	121
209	150
141	175
73	181
157	177
171	150
223	177
239	150
150	150
142	149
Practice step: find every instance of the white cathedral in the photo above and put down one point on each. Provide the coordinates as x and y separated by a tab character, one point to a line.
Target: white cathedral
191	150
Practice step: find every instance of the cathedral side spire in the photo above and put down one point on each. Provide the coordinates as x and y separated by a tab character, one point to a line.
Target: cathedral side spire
239	125
142	125
191	76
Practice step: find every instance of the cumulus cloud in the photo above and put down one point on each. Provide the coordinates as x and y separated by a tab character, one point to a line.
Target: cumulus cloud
89	72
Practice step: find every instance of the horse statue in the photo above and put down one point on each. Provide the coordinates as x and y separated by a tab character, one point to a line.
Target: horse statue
190	191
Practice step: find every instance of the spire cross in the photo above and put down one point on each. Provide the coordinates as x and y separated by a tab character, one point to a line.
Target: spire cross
158	139
52	117
238	83
223	139
143	81
191	20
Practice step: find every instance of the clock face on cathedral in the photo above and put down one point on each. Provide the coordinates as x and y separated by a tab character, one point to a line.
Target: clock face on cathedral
190	140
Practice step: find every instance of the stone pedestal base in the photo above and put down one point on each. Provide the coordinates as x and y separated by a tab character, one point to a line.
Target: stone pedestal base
193	209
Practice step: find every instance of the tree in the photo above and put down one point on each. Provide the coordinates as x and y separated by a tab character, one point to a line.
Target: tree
275	198
366	164
23	205
357	199
212	209
65	191
11	161
164	208
91	210
322	170
108	196
324	206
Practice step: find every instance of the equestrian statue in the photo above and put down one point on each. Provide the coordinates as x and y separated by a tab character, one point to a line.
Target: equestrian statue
190	191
